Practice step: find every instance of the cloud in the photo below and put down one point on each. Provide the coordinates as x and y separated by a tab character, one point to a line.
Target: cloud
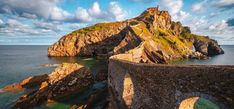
75	26
112	13
47	26
82	15
173	6
213	14
225	4
49	10
95	10
115	12
1	22
230	22
46	9
197	24
181	15
27	15
144	1
219	26
221	29
199	7
175	9
14	27
14	23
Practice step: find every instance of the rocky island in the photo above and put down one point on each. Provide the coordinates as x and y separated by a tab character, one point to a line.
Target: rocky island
141	42
152	37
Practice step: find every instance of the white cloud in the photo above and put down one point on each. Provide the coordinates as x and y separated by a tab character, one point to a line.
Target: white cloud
112	13
47	26
180	16
116	12
220	26
59	14
27	15
47	9
74	26
82	15
225	2
1	22
173	6
14	23
144	1
198	7
175	9
14	27
50	10
213	14
95	9
197	24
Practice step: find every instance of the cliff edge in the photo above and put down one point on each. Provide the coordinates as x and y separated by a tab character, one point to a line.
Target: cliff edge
151	37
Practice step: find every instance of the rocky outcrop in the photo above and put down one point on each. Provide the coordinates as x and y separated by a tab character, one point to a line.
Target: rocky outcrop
95	40
29	83
155	37
68	79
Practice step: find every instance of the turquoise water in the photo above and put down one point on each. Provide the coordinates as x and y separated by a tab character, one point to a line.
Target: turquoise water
20	62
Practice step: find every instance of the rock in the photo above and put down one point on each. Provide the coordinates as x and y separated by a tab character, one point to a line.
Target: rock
197	55
208	48
97	100
201	47
102	74
152	36
214	48
29	83
94	40
67	79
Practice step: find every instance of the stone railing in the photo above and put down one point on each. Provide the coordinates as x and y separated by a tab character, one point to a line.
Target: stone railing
152	86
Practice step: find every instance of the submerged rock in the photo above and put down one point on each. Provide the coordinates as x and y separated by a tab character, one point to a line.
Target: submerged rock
67	79
151	37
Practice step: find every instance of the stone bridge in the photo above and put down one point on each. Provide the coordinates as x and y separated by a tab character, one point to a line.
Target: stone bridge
152	86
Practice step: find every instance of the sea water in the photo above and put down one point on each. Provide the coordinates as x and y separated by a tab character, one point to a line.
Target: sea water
19	62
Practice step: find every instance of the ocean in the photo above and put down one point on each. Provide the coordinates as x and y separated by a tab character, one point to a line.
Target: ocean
18	62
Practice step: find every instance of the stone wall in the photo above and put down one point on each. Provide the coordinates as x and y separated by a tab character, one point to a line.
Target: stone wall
155	86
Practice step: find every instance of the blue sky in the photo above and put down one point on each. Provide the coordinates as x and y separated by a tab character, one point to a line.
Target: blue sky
43	22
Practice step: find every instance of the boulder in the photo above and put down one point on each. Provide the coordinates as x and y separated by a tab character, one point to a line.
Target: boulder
102	74
214	48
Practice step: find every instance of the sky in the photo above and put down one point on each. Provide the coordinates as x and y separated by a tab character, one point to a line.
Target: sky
43	22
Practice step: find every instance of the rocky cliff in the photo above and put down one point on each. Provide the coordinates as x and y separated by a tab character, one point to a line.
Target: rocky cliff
152	37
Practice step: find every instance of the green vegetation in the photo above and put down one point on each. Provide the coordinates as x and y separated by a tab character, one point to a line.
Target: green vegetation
141	30
193	36
96	27
172	45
